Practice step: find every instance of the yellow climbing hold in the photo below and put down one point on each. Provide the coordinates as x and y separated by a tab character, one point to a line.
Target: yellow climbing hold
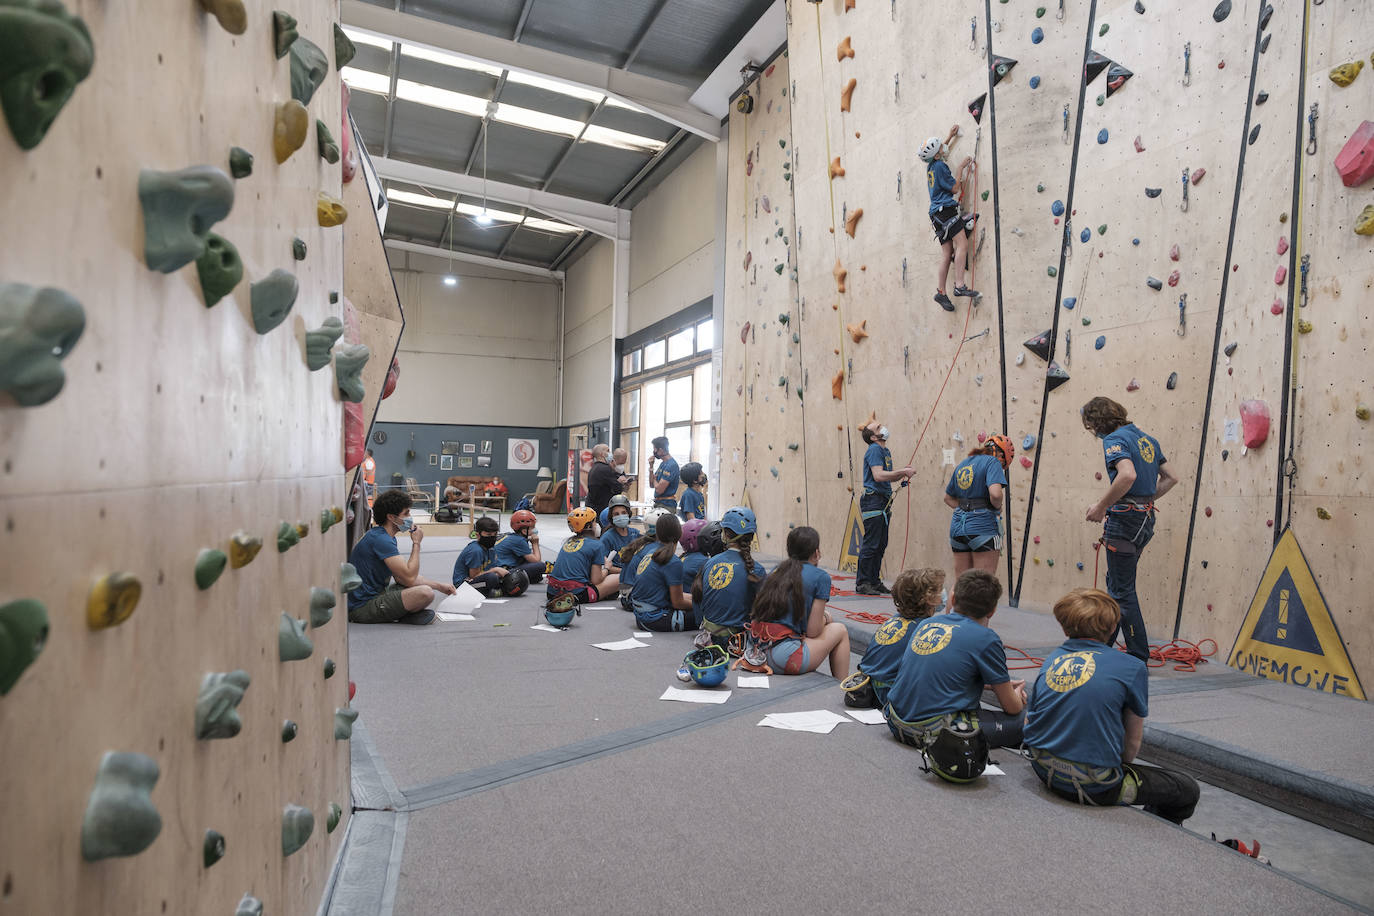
330	211
243	548
1364	223
1304	326
112	600
837	386
851	222
1362	412
847	94
836	170
858	331
1323	514
1345	74
844	50
288	133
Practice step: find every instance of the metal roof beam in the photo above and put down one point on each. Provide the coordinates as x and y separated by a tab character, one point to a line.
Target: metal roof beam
601	219
464	256
660	98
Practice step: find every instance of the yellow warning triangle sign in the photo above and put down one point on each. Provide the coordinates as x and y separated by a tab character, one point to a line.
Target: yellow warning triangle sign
853	540
748	504
1288	634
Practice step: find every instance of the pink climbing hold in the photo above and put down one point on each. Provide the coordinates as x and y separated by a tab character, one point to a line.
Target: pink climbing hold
1277	307
1174	253
1133	385
1198	175
1355	161
982	437
1139	147
748	259
1098	475
1269	523
1254	419
767	206
1173	278
1037	539
1025	462
1207	511
1280	275
1283	244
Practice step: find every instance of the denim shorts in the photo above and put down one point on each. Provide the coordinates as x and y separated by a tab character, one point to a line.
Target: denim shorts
789	656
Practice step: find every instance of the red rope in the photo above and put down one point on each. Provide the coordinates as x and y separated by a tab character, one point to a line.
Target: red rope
866	617
1186	655
1023	661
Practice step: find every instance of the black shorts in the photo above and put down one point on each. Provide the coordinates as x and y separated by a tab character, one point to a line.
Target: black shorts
948	222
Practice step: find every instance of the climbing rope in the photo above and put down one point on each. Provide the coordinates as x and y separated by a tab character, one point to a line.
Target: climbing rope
1185	655
1023	660
865	617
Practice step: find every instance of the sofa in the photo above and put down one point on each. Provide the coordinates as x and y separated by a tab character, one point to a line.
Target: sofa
462	483
551	500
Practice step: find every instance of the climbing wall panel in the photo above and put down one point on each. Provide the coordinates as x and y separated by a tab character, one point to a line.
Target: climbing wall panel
177	426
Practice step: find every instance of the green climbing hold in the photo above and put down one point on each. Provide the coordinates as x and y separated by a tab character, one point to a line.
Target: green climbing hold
1049	562
343	48
328	668
985	195
782	144
298	249
240	162
292	643
212	850
217	704
38	327
322	603
286	537
335	812
297	823
324	140
778	270
1103	31
44	52
288	731
1052	271
343	723
1086	322
121	819
283	32
348	371
308	69
348	577
1101	100
1040	189
210	563
23	633
219	269
1039	12
1102	229
319	344
178	210
272	298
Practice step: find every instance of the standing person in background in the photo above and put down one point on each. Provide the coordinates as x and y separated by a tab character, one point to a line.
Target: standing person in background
667	477
875	507
603	480
694	497
1135	465
975	493
369	477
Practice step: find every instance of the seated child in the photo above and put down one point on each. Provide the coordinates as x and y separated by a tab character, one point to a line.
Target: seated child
729	581
1087	714
520	548
657	597
916	596
693	557
790	624
616	533
450	510
693	502
578	570
952	657
630	555
476	565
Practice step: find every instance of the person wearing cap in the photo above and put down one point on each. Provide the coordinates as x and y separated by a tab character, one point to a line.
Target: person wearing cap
666	478
875	507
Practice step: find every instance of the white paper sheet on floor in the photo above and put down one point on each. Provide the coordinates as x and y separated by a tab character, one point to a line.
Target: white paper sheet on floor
819	721
630	643
465	600
868	716
751	680
695	696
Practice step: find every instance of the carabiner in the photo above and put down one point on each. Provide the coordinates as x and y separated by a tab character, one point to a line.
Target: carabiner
973	34
1312	130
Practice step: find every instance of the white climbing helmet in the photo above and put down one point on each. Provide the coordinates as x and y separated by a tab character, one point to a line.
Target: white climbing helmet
931	149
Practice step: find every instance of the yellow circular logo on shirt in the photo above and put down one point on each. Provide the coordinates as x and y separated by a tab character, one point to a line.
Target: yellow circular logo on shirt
1147	450
964	479
572	545
644	564
892	631
1069	671
931	638
722	574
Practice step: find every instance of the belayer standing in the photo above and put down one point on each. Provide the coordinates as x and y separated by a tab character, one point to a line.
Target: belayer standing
952	228
875	508
1135	466
975	493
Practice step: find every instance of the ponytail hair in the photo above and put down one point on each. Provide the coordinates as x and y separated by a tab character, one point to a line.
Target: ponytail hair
781	593
741	543
669	531
627	553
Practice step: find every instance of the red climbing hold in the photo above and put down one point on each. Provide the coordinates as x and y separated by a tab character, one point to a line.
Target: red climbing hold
769	71
1277	307
355	436
1269	523
1355	161
1139	147
1133	385
393	375
1221	65
982	437
1207	511
1280	275
744	333
1283	244
1174	253
352	691
1098	475
1037	539
1173	278
1198	175
1254	418
1025	462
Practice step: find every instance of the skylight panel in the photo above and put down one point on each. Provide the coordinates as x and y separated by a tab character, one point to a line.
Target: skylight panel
419	200
549	225
441	98
537	120
622	140
366	81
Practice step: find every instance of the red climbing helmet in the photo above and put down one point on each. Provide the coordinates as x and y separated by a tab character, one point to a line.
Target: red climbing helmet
523	520
1002	448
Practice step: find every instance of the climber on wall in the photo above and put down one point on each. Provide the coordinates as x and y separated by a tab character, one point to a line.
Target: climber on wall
1136	468
875	507
952	228
975	493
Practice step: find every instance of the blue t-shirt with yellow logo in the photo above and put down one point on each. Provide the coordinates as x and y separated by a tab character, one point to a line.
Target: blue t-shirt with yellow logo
940	182
369	557
691	565
1143	449
948	662
693	504
652	581
511	550
667	470
727	596
884	654
613	539
970	480
474	556
629	570
576	559
877	456
815	584
1075	704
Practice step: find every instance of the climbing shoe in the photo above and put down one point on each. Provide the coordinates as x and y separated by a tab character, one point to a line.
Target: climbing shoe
941	298
964	291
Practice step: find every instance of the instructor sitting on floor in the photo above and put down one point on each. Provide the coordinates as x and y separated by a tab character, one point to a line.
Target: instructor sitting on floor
378	561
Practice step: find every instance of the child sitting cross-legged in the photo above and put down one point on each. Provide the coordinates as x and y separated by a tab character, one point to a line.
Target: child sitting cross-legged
916	596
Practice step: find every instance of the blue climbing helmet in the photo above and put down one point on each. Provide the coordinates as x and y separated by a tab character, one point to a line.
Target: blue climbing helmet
561	609
740	520
708	665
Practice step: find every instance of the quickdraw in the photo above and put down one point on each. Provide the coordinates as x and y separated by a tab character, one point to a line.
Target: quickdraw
1312	130
1068	237
1183	315
1066	123
1303	268
1184	205
973	34
1188	63
1060	15
1068	348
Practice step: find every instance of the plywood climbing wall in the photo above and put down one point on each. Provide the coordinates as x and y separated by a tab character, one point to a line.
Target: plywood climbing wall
1080	192
178	426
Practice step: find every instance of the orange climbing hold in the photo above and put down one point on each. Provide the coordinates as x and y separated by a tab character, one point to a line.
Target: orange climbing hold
858	331
840	275
836	170
849	5
847	94
851	222
837	386
844	50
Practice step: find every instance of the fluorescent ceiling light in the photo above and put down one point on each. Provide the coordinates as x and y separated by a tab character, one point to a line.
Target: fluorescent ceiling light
450	280
499	216
419	200
366	81
367	38
537	120
398	196
548	225
619	138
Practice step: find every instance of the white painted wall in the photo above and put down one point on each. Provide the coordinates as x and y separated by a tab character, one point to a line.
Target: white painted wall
484	351
672	232
588	353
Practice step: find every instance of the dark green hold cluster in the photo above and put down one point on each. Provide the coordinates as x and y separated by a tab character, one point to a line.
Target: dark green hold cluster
240	162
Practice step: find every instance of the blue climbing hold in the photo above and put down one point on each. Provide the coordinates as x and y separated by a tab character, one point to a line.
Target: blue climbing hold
1100	342
1102	135
1135	242
1057	208
1037	36
1070	302
1035	82
1085	235
1028	443
1080	566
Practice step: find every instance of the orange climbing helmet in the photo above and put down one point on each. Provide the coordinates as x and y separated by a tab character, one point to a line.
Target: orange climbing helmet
1002	449
523	520
580	518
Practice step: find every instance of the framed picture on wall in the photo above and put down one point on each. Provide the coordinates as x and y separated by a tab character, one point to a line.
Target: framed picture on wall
486	448
448	448
469	448
484	461
464	462
446	463
433	459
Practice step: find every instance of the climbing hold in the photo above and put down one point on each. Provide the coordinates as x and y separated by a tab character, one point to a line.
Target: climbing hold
766	204
1101	100
38	327
288	731
286	537
178	210
1037	36
1153	283
836	171
1070	302
240	162
840	274
23	633
1153	192
1139	8
847	94
1222	11
335	813
112	600
348	577
343	51
1362	412
1355	162
1026	462
289	128
1174	253
1135	242
1080	564
1039	12
330	517
848	5
858	331
1172	383
309	67
1197	176
283	33
1035	82
1098	475
777	269
851	222
1095	64
844	50
1266	16
242	549
232	17
1364	223
1000	67
1277	307
1085	236
837	386
120	817
1102	30
1133	385
1345	74
319	342
272	298
324	142
1100	342
328	668
330	211
249	906
219	269
1283	244
1052	271
774	471
322	603
292	643
1117	76
1280	275
1028	443
1261	97
1323	514
1057	208
1254	418
1102	135
344	718
1174	278
297	823
1254	135
217	704
210	563
44	53
348	369
1139	147
1207	511
212	849
1230	348
1040	344
975	108
1304	326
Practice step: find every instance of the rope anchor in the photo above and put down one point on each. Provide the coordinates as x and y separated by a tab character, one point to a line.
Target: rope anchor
1312	130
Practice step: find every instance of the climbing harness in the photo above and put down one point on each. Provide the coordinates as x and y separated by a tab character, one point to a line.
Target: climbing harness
1184	205
1187	63
1183	315
1312	130
1066	123
1304	266
973	34
1085	778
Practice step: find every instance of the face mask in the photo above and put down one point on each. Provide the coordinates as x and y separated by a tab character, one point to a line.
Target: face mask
407	524
882	432
621	521
487	540
619	468
944	597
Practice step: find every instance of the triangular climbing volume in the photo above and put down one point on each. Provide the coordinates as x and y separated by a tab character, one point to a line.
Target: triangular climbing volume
975	108
1289	634
1117	76
1040	344
1056	375
1000	66
1095	65
853	540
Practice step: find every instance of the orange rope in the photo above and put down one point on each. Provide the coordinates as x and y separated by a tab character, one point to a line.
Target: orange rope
1023	660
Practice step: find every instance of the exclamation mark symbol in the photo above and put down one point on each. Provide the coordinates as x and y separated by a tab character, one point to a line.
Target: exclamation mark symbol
1283	614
